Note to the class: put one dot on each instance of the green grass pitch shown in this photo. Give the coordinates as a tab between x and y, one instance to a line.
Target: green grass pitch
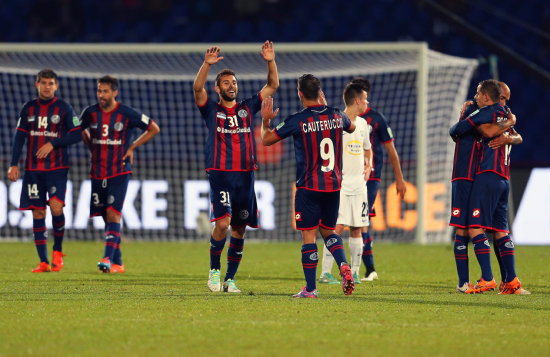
162	307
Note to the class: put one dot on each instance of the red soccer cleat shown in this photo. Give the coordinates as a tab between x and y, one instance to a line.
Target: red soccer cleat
43	267
57	260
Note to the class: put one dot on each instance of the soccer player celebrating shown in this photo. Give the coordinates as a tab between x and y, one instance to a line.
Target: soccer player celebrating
49	125
464	169
317	132
380	135
107	131
356	167
488	202
231	160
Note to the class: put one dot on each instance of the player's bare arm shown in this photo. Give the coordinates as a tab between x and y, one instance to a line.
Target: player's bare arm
506	139
86	139
268	135
368	164
268	54
142	139
212	56
13	173
493	130
400	186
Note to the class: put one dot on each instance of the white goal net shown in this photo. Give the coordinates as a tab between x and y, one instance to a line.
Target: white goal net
418	90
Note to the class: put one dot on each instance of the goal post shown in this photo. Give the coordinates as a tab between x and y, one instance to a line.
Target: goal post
419	91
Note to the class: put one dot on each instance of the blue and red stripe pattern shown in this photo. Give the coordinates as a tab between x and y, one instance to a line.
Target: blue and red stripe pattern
494	160
231	145
44	121
380	134
317	133
466	151
111	133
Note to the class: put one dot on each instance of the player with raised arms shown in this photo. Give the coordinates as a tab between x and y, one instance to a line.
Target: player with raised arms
231	160
108	128
48	125
317	132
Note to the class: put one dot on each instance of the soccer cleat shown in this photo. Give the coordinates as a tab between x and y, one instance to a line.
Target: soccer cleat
229	286
464	288
43	267
214	280
307	294
356	279
483	285
57	260
370	277
117	268
104	265
328	278
501	286
514	288
347	279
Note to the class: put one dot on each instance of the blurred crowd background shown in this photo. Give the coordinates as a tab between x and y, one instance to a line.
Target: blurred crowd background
518	30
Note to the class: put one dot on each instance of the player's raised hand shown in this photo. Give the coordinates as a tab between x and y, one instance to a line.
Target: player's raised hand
212	55
267	51
267	109
44	151
464	106
511	117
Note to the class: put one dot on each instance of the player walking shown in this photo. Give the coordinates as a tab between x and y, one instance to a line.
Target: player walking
356	169
48	125
381	135
231	160
317	132
107	131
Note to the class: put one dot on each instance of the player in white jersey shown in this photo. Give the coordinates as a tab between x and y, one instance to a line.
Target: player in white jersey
357	165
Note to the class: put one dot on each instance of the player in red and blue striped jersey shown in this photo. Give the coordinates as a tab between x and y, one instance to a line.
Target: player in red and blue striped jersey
230	152
317	133
48	125
108	132
488	200
381	135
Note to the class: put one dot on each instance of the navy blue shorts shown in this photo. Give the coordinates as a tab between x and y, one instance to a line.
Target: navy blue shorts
36	184
232	194
372	191
108	194
461	190
488	206
315	208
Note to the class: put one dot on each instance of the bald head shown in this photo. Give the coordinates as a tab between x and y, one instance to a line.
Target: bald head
505	95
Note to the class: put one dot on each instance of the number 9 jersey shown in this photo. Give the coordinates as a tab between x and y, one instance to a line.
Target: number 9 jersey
317	133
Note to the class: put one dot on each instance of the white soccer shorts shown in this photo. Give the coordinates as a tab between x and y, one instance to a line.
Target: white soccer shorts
354	209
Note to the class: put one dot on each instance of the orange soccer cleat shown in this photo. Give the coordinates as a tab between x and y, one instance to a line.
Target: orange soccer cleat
514	288
116	268
486	285
57	260
43	267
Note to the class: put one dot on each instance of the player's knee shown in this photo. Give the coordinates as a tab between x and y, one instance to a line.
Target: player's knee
39	213
222	225
113	216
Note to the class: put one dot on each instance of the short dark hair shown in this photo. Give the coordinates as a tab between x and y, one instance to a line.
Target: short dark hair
365	83
46	73
310	86
492	88
352	91
112	81
224	72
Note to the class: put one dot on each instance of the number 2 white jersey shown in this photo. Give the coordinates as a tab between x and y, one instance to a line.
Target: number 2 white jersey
353	157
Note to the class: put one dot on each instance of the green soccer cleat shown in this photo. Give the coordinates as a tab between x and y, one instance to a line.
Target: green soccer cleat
356	278
104	265
229	286
328	278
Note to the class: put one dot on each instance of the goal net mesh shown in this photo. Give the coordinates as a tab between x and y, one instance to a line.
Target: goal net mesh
167	197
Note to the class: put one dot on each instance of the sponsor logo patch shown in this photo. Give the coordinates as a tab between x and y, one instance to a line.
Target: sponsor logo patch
76	121
461	247
244	214
145	119
298	216
243	113
119	126
314	256
331	241
476	212
456	212
56	119
509	245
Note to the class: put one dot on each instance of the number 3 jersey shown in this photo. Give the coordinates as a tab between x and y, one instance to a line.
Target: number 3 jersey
111	134
317	133
230	145
46	121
